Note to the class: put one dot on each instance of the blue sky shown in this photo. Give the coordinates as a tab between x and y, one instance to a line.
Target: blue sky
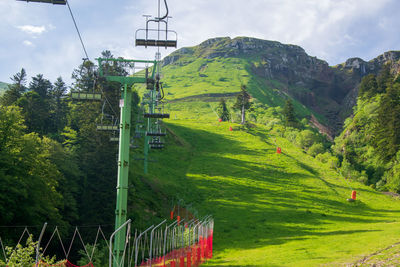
42	38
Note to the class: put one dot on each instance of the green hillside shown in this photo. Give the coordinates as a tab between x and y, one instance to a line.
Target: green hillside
3	87
270	209
205	71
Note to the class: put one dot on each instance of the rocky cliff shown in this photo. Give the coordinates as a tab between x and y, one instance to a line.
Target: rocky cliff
328	90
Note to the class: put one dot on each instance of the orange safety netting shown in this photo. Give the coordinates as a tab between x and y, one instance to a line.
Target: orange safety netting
185	257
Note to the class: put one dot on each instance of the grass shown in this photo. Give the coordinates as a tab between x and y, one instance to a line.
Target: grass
191	76
270	209
203	76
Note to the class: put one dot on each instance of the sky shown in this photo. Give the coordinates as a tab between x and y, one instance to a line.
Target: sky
42	39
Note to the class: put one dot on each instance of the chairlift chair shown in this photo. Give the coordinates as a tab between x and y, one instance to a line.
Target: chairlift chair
107	127
156	115
160	146
158	36
54	2
85	96
156	143
155	134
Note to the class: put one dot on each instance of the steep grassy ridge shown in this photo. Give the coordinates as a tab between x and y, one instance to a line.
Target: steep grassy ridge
270	209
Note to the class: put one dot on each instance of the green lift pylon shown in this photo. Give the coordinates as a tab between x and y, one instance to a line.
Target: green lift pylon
127	83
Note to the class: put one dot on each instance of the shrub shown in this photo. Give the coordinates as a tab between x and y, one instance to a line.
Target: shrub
305	139
315	149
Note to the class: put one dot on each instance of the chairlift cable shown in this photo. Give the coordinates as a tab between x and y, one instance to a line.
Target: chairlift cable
77	30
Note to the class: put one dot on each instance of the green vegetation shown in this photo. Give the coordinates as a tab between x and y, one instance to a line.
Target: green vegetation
370	142
222	110
270	209
243	103
3	87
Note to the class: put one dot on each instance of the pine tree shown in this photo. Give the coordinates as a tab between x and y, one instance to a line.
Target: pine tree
41	86
243	103
384	79
58	106
222	110
15	90
368	86
289	115
387	131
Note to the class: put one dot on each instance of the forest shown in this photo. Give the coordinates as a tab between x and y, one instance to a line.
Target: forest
55	166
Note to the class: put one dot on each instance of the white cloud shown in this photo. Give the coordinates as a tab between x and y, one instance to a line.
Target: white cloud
27	43
333	30
33	30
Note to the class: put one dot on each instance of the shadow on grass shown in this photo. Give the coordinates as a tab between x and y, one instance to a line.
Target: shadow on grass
256	203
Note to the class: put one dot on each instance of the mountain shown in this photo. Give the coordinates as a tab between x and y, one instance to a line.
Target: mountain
273	72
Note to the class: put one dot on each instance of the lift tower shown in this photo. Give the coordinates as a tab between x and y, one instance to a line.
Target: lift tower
134	75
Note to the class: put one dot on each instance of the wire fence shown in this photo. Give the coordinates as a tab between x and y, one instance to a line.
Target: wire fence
180	242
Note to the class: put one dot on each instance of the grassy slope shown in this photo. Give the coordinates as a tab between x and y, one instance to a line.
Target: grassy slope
269	209
192	76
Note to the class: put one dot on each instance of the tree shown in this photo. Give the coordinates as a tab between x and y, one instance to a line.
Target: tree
222	110
387	131
289	115
368	86
58	106
29	180
41	86
15	90
36	112
384	79
243	103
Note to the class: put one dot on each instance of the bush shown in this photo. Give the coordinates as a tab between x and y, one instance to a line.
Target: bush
315	149
291	134
305	139
329	159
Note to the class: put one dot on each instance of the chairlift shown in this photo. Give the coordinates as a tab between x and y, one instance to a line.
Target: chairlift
156	115
107	127
159	35
156	143
114	139
155	134
85	96
157	146
54	2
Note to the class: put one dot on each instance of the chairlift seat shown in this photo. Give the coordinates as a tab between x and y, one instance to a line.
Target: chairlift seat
107	127
114	139
85	96
157	43
156	146
156	115
156	143
155	134
54	2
